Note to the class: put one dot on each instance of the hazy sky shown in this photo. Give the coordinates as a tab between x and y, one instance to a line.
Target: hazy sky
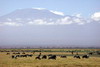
69	7
70	31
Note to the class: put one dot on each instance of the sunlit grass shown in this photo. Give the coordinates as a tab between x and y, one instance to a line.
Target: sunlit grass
7	61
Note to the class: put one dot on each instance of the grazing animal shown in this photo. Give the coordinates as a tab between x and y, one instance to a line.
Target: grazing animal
85	56
23	53
72	52
52	57
33	52
38	57
8	54
44	57
29	55
63	56
77	56
16	53
91	53
98	52
14	57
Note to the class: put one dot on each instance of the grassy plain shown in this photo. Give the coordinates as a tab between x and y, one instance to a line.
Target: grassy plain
7	61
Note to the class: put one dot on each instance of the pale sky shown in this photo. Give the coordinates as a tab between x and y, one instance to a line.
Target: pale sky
69	7
83	30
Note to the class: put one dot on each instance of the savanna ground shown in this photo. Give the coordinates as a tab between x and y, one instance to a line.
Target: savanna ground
7	61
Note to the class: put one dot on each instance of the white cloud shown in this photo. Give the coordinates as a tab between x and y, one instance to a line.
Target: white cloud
40	22
96	16
62	21
37	21
39	8
57	12
70	20
66	20
79	20
12	24
78	15
76	19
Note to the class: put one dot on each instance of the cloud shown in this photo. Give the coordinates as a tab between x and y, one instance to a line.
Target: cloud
39	8
79	21
71	20
65	20
62	21
12	24
57	12
78	15
96	16
40	22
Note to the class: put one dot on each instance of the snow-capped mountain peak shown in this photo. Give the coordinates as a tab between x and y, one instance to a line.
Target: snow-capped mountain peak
42	16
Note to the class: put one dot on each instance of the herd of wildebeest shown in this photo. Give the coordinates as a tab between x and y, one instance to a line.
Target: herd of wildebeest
16	55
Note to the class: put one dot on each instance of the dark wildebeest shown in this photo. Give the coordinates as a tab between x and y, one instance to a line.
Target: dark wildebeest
49	55
63	56
72	52
90	53
98	52
44	57
16	53
23	53
14	57
52	57
29	55
77	56
85	56
8	54
38	57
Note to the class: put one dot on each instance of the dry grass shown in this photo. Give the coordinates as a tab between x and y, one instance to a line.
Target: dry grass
7	61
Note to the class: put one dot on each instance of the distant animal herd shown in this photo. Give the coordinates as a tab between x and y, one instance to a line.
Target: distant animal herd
16	55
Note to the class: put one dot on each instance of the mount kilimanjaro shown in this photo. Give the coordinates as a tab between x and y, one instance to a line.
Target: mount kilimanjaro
41	27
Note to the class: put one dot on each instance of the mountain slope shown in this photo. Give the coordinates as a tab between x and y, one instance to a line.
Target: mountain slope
30	14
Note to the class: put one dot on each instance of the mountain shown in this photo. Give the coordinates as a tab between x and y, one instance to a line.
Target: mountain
33	16
41	27
30	14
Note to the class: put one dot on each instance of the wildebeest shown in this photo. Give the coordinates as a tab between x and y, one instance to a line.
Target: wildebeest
38	57
29	55
77	56
8	54
72	52
85	56
23	53
52	57
90	53
44	57
16	53
63	56
14	57
98	52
